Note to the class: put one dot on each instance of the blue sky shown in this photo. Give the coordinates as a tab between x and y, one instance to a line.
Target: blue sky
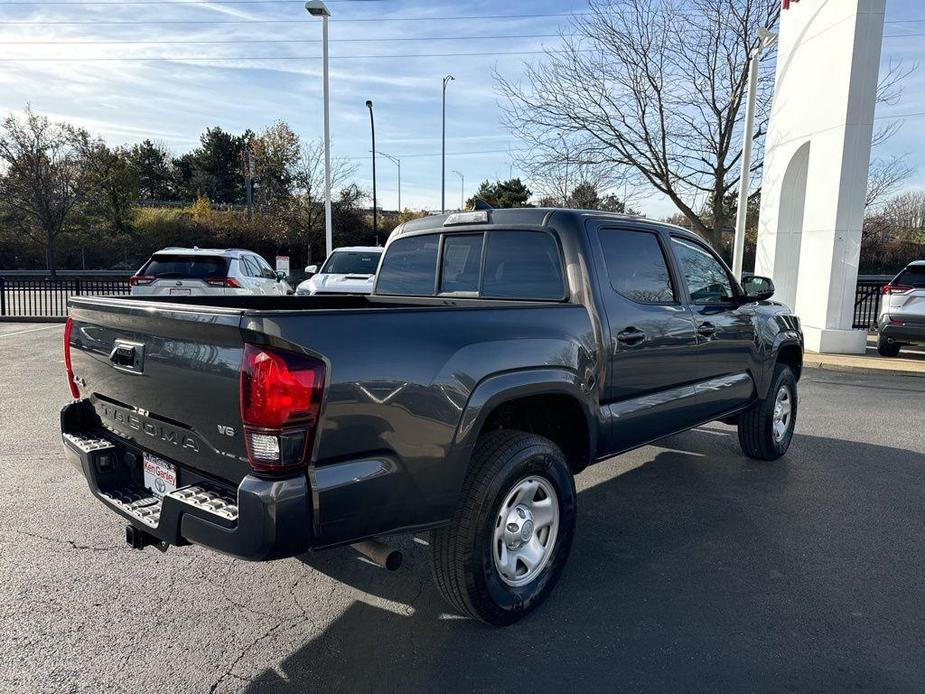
173	101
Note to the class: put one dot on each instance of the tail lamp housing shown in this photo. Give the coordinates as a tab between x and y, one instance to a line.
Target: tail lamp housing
895	289
140	280
72	384
222	282
281	395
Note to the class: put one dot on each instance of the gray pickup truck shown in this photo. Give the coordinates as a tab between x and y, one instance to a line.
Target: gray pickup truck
500	354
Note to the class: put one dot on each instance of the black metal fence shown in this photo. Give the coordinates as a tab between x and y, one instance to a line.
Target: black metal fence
867	300
37	296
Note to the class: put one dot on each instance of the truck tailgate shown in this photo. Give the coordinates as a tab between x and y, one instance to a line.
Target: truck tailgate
166	377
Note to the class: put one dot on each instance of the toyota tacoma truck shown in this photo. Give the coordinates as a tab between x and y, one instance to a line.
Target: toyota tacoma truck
501	352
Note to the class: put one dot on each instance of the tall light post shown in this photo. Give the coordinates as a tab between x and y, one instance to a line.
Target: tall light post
397	162
316	8
372	128
765	39
446	80
462	189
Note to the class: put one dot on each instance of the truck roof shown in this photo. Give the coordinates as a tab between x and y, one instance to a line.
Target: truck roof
532	216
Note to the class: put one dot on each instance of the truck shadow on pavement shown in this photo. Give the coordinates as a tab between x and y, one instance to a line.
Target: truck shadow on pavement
700	570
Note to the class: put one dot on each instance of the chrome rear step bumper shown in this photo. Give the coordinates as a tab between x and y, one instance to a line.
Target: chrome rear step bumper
263	519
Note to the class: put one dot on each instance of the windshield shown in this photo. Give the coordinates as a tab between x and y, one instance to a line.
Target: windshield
196	266
351	263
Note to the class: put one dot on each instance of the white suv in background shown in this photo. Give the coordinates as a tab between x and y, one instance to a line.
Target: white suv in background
204	271
348	270
902	311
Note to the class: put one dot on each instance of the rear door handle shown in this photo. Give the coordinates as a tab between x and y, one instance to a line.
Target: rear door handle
706	330
631	337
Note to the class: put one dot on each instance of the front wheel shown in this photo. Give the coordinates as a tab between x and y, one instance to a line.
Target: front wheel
766	428
509	539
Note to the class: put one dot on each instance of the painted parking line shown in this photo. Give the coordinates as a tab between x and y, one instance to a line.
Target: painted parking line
31	330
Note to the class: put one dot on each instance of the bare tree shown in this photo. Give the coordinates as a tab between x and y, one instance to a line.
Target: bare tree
887	174
656	86
304	211
41	177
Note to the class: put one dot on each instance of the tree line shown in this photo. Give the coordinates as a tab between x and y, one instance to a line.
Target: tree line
58	182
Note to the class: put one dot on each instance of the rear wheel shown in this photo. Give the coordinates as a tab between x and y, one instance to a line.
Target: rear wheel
509	539
887	348
766	428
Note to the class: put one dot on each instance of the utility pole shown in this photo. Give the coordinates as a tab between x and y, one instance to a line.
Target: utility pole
765	39
397	162
446	79
249	181
316	8
462	189
372	127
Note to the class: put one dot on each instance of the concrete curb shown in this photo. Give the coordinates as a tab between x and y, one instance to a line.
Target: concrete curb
823	365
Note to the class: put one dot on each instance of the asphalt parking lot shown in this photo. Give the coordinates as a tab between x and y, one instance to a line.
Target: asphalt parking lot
694	569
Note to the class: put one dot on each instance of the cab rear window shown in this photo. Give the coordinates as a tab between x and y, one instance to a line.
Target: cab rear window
198	266
493	265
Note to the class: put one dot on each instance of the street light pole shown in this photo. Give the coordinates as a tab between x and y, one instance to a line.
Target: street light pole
765	39
372	128
316	8
462	189
446	79
397	162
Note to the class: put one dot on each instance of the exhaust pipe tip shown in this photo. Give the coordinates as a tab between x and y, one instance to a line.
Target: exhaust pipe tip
380	554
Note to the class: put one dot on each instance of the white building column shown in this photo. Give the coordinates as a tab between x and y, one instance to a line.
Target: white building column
817	153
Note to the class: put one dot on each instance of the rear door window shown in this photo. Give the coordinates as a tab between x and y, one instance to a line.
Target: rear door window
522	265
636	266
462	264
185	266
410	267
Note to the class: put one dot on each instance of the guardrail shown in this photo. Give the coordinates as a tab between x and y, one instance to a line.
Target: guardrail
43	297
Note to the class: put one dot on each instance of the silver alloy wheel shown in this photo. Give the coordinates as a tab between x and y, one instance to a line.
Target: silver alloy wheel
783	413
525	532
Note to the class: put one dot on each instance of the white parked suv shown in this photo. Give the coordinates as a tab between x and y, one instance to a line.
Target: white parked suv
199	271
902	311
348	270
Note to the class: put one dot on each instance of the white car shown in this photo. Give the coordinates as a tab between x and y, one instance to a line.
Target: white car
348	270
902	311
207	271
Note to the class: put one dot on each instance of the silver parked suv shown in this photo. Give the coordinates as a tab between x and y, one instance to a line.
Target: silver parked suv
207	271
902	311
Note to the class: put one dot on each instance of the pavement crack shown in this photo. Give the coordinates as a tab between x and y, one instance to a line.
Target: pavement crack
73	544
229	671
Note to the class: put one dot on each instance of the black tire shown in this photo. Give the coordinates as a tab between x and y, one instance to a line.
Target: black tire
887	349
756	424
463	564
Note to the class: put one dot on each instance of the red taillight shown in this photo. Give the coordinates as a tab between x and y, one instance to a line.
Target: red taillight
280	401
222	282
72	384
895	289
140	280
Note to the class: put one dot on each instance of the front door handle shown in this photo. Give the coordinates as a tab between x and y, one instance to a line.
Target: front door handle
706	330
631	337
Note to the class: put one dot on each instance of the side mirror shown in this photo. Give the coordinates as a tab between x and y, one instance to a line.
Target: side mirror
311	270
280	275
757	288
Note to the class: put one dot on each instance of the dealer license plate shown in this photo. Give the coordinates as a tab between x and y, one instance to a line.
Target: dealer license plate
160	476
